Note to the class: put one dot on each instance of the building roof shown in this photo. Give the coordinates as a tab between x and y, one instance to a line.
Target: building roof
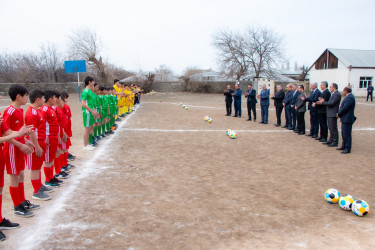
355	58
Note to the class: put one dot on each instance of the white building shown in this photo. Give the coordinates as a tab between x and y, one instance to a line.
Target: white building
345	66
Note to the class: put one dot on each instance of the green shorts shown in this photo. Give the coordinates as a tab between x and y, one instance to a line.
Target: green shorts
88	119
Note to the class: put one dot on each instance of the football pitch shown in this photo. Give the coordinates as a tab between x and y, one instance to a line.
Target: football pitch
167	179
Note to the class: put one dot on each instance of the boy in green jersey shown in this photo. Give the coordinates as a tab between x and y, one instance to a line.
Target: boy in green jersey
88	111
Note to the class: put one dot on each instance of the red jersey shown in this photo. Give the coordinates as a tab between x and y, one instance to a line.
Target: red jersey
63	121
3	128
35	117
68	115
13	118
52	123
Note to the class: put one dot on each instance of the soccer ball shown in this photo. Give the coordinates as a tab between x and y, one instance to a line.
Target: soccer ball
233	135
332	195
206	118
209	120
228	132
346	202
185	107
360	208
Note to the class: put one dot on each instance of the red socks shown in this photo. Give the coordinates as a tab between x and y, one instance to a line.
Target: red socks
37	184
48	173
1	204
14	193
57	164
21	189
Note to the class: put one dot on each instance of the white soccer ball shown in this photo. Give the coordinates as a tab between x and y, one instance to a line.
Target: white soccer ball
332	195
233	135
346	202
360	208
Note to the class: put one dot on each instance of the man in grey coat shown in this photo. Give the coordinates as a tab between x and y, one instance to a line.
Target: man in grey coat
301	110
332	105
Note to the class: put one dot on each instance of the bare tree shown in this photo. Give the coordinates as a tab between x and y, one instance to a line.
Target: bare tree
232	54
163	73
51	61
256	51
85	45
304	72
189	71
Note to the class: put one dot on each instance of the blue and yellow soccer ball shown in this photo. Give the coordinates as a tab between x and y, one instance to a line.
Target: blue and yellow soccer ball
209	120
346	202
360	208
228	132
332	195
233	135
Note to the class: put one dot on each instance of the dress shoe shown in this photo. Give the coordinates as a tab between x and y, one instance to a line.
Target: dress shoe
248	120
314	136
290	128
340	148
346	151
309	135
327	142
284	126
235	116
301	133
261	122
277	125
332	145
318	139
297	131
227	115
265	122
323	140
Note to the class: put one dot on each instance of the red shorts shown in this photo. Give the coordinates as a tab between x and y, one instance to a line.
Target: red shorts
51	148
34	162
2	168
14	159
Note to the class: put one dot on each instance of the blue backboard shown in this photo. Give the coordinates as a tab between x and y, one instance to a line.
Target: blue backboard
75	66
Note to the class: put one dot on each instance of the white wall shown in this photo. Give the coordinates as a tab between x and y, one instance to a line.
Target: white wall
354	76
339	76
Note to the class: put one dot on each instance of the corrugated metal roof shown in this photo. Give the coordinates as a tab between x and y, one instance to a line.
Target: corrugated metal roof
355	58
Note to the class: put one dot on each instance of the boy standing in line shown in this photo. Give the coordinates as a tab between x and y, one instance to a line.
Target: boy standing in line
15	154
89	112
34	161
6	135
52	137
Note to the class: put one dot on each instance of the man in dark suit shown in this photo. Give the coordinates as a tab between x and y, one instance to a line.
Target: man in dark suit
301	109
322	112
278	102
370	91
288	109
346	115
332	105
237	93
264	103
314	122
228	100
293	102
251	95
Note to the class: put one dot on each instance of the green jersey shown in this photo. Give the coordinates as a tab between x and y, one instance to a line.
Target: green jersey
89	97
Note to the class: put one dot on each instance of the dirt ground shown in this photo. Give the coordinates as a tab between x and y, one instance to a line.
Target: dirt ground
169	180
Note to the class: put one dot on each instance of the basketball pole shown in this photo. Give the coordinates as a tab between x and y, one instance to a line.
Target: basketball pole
79	88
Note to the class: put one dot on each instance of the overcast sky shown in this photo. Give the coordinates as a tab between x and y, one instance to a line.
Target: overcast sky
141	34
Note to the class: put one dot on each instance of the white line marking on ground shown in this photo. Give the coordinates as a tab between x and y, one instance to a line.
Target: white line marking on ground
44	228
194	106
224	130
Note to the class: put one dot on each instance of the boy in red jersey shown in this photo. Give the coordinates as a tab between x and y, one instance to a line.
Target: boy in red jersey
6	135
63	122
15	153
35	160
52	137
68	130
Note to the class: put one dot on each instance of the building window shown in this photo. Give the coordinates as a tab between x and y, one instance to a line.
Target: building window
364	82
